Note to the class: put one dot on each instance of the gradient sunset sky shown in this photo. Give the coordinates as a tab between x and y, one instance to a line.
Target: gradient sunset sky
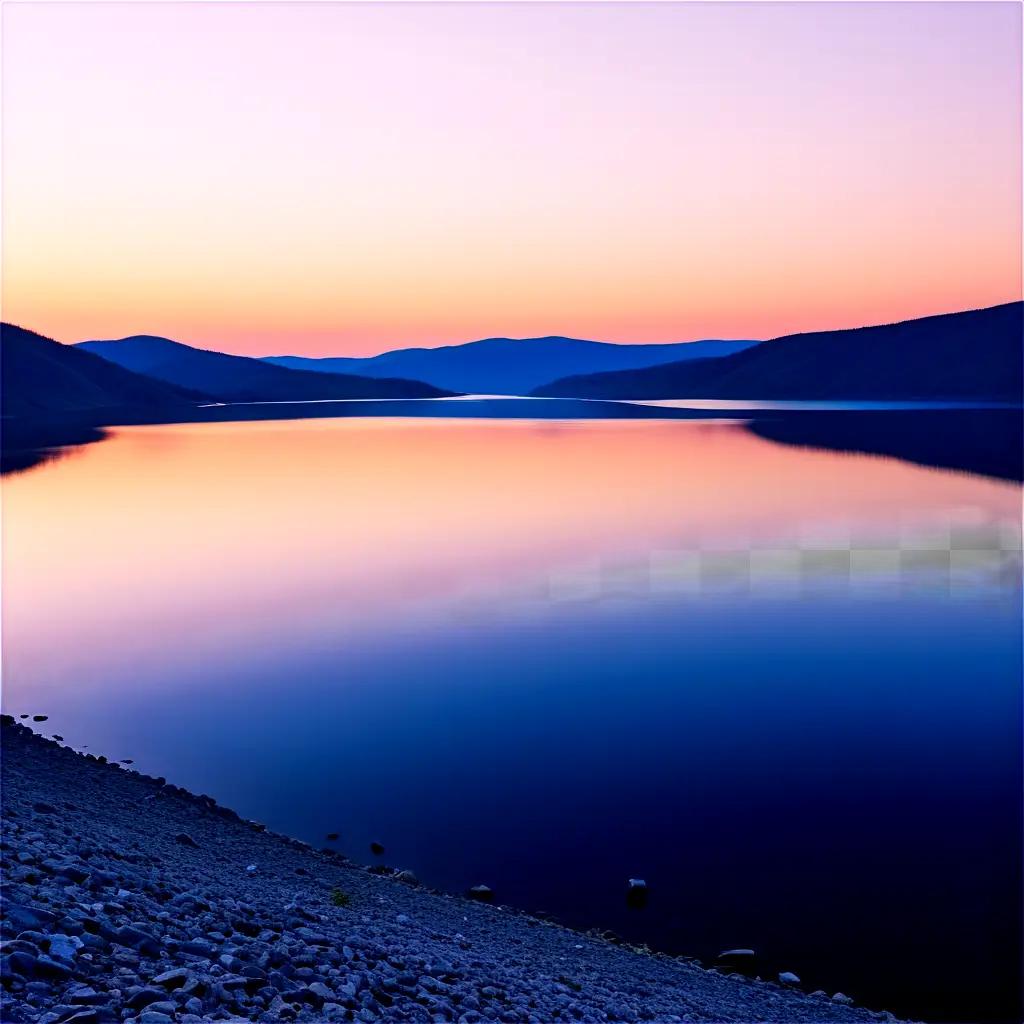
347	178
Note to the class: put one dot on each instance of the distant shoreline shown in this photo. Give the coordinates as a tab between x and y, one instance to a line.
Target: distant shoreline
982	438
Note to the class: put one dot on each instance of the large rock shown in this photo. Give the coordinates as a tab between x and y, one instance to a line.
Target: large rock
137	939
65	947
22	963
87	996
27	918
47	967
740	961
145	996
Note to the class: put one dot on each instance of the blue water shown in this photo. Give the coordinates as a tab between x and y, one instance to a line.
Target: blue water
842	795
828	773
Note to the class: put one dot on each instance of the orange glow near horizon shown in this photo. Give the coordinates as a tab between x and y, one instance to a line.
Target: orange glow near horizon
348	178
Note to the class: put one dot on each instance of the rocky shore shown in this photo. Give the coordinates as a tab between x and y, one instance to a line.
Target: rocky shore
129	899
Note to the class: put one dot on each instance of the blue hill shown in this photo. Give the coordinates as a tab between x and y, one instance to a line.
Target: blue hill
510	366
230	378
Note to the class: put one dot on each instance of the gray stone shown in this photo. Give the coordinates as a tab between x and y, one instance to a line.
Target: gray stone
47	967
65	947
22	963
143	997
136	938
24	918
73	871
87	996
172	979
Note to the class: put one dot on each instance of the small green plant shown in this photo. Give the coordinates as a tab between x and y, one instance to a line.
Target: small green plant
339	898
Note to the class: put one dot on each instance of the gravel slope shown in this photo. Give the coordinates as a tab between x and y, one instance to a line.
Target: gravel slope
129	899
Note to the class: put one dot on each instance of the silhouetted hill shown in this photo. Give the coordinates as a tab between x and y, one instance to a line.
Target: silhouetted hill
40	377
241	379
969	355
509	366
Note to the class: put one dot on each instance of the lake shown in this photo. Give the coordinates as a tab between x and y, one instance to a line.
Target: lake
779	683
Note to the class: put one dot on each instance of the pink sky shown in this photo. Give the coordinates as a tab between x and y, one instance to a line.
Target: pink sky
347	178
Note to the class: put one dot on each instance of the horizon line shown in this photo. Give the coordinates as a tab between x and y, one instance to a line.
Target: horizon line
539	337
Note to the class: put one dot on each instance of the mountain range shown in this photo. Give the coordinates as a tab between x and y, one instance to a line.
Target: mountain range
973	355
230	378
52	393
511	366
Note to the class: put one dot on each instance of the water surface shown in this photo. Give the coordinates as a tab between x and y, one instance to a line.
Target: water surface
780	684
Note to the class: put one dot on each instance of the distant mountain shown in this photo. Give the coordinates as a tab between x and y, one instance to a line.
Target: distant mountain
231	378
970	355
40	377
510	366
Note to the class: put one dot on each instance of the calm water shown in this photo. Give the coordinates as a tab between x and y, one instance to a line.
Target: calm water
780	684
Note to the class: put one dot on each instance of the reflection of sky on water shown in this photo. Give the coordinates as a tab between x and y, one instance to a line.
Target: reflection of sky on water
780	684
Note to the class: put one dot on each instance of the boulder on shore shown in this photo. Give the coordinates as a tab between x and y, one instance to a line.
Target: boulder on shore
481	893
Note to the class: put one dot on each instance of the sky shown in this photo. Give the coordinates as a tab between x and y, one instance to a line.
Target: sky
327	178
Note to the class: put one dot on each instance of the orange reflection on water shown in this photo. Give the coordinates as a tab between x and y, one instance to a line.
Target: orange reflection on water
193	538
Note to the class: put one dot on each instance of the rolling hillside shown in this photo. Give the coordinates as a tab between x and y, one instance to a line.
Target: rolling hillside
41	377
230	378
971	355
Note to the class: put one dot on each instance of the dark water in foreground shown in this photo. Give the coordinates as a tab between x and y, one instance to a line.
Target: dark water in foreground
780	684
